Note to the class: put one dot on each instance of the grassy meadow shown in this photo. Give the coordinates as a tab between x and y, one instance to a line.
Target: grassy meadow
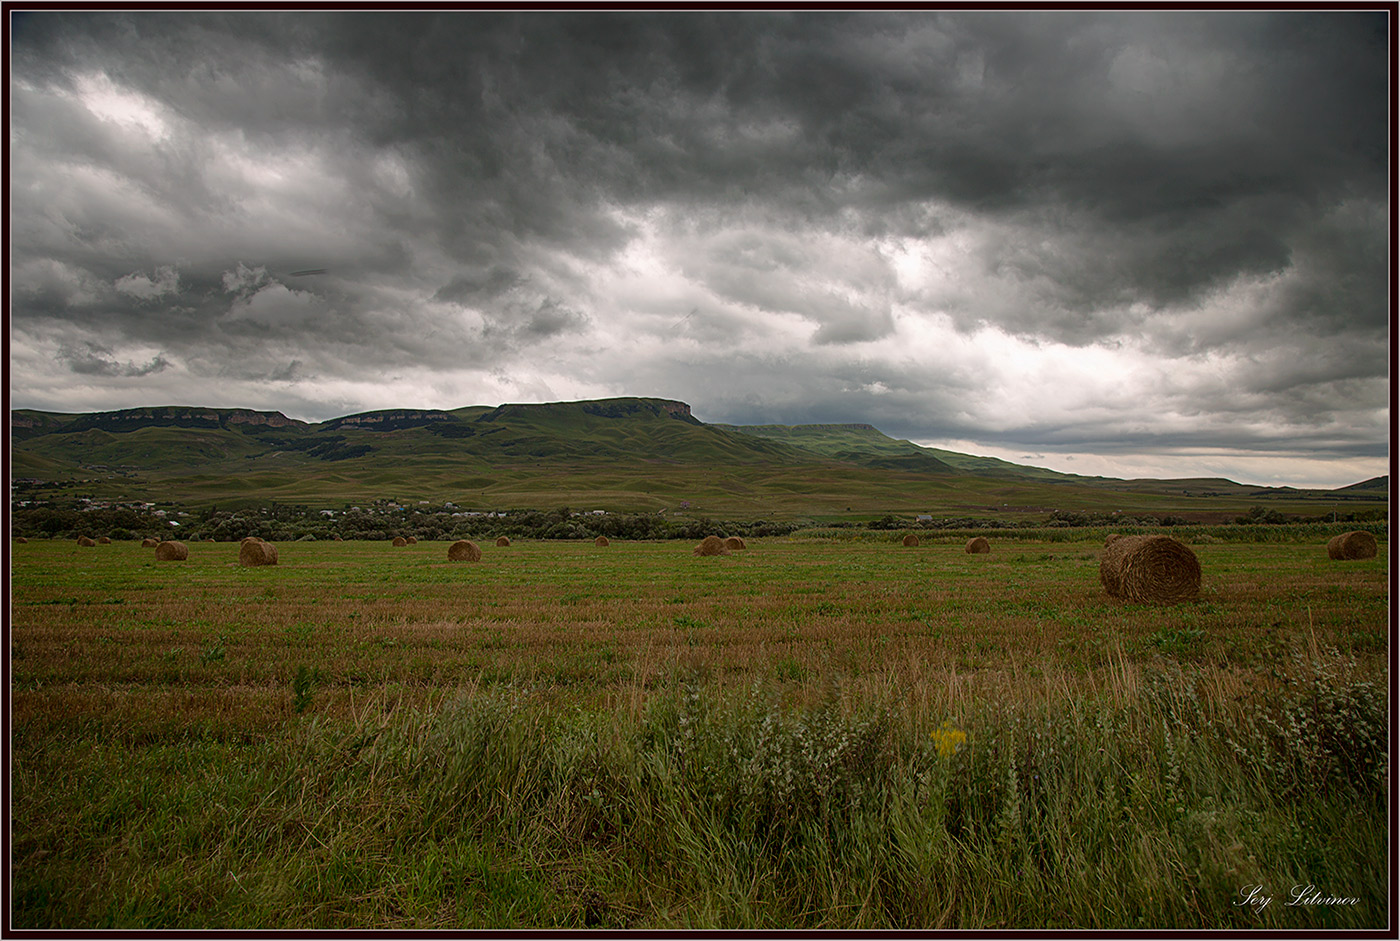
820	731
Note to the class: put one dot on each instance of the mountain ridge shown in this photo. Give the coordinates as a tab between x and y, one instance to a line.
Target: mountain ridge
635	448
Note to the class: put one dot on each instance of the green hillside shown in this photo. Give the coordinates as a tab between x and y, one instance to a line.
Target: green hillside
621	454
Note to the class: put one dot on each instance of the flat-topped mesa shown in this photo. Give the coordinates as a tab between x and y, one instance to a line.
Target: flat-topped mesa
844	426
392	419
246	416
181	416
625	407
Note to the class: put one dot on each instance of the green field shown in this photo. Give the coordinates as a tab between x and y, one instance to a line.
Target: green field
814	732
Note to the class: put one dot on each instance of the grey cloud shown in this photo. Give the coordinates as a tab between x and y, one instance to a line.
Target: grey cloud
95	360
139	284
486	285
533	120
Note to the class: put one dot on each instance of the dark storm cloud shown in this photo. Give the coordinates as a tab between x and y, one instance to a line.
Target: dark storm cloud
328	194
94	360
1201	145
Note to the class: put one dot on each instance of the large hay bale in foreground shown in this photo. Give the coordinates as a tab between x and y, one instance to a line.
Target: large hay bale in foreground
1353	545
85	541
735	542
502	541
149	542
978	544
171	551
1150	569
911	540
400	541
601	541
464	550
711	545
257	552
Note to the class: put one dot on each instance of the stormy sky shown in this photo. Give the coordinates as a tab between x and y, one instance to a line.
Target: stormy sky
1149	243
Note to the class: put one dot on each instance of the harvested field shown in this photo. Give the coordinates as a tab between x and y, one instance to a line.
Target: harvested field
372	740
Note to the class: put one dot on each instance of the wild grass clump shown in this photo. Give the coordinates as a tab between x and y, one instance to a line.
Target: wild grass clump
855	814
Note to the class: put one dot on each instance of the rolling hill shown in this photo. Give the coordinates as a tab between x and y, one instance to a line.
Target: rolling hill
626	454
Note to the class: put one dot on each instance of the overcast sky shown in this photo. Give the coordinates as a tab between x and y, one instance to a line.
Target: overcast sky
1133	244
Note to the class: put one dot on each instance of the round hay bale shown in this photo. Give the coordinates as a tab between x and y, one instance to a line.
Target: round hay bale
502	541
1150	569
464	550
1111	538
149	542
711	545
911	540
978	544
412	540
248	539
400	541
601	541
104	540
85	541
338	539
735	542
171	551
257	552
1353	545
21	539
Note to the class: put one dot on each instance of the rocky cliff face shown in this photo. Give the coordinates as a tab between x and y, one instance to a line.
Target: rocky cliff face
243	416
178	416
391	419
676	409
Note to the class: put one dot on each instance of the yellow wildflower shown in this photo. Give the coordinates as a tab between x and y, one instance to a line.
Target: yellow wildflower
948	739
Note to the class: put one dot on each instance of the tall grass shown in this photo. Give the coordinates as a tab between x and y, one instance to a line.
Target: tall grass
829	805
